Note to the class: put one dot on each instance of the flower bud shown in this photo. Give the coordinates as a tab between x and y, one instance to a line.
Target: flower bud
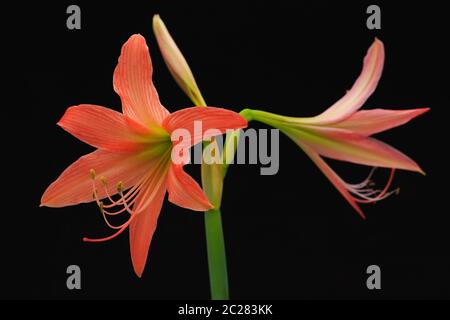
176	62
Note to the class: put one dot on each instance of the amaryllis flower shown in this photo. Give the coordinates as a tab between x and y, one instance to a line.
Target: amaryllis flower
132	168
343	132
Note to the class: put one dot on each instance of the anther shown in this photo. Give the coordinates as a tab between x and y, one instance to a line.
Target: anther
120	187
103	180
92	174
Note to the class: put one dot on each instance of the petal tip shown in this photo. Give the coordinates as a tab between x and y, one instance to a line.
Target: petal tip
377	42
137	36
425	110
419	111
44	201
208	206
63	119
138	269
416	168
358	210
362	215
156	19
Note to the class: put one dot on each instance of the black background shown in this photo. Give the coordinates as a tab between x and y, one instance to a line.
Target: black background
288	236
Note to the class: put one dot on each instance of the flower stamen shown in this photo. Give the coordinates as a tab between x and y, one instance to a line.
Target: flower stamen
126	200
124	226
363	192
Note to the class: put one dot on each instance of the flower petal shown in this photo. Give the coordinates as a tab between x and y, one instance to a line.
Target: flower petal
332	176
345	145
185	191
362	89
368	122
199	121
148	207
74	185
133	83
102	128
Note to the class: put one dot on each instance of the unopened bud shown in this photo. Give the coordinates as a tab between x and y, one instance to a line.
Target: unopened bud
176	62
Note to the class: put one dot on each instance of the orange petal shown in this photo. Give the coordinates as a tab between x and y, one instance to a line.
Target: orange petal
368	122
345	145
74	185
185	191
209	118
332	176
147	207
362	89
102	128
133	83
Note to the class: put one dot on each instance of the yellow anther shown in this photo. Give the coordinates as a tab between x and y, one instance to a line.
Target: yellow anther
397	192
100	205
103	180
120	186
92	174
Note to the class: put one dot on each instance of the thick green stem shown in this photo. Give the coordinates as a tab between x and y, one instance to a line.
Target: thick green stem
212	181
217	261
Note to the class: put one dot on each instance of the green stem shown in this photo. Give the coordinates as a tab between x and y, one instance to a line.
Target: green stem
212	181
217	261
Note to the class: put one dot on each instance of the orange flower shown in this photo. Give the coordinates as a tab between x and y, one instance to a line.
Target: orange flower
133	161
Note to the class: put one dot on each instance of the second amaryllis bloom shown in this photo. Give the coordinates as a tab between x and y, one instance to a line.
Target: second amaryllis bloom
134	157
342	132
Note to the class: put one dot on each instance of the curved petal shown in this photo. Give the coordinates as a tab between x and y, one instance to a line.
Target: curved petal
185	191
362	89
368	122
204	123
74	185
345	145
133	83
102	128
332	176
147	207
